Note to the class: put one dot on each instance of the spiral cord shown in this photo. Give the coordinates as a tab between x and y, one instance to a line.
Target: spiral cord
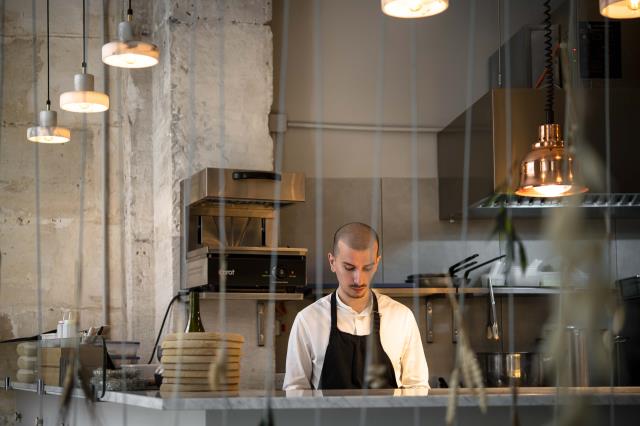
548	47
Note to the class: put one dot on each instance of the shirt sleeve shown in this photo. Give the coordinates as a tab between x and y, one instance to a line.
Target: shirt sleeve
298	367
415	372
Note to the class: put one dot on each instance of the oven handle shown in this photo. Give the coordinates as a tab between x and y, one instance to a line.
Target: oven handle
242	175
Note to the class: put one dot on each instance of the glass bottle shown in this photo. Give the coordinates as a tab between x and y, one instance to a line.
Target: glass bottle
195	323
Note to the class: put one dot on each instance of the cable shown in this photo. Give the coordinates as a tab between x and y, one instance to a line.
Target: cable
84	40
166	314
48	61
548	62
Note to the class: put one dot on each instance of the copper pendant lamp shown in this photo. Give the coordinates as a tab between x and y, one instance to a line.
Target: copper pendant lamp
549	169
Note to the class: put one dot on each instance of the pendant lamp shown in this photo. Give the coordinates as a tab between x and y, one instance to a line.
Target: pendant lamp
413	8
548	170
620	9
84	98
47	130
129	53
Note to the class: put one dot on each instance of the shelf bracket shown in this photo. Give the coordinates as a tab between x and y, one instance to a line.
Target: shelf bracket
429	321
261	310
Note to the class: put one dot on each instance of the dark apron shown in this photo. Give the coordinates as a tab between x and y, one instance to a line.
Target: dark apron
345	358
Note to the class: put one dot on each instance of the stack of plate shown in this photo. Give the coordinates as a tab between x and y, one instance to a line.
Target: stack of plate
197	363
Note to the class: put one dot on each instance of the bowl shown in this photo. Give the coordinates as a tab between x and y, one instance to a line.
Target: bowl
122	348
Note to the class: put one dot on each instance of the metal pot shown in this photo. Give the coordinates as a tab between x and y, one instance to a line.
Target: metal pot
499	368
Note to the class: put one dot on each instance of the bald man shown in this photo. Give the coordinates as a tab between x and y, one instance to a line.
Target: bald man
355	338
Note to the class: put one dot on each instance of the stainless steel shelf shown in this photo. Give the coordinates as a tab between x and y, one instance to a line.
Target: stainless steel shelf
250	296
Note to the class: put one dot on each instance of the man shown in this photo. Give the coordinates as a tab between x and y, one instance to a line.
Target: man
333	339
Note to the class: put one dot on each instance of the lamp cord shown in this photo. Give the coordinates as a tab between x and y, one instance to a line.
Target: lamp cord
84	41
548	46
48	66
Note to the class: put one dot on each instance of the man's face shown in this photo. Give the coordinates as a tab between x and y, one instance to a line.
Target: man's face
354	268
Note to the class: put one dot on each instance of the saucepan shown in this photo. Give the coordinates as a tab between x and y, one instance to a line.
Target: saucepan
500	368
442	280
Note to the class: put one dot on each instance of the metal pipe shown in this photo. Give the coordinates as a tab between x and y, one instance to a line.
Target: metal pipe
361	127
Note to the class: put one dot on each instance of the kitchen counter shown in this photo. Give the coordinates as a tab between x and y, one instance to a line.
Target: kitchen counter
246	407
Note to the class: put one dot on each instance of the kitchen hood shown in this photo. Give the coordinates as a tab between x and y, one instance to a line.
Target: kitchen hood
503	127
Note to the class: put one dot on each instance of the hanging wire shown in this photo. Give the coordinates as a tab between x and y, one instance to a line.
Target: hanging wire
607	176
499	43
48	62
415	227
318	95
36	151
548	62
84	39
104	187
278	163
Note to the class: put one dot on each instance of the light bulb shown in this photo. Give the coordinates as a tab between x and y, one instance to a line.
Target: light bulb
47	130
551	190
633	4
84	99
413	8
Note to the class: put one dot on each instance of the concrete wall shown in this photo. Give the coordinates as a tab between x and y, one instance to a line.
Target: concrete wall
205	104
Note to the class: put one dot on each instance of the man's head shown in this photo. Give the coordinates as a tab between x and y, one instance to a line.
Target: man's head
355	258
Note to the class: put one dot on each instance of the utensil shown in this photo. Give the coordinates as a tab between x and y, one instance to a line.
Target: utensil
500	368
494	325
456	267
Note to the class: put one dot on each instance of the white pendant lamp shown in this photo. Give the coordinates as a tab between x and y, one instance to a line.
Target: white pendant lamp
84	98
47	130
620	9
549	169
129	53
413	8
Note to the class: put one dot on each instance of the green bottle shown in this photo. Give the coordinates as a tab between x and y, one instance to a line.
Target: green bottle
195	323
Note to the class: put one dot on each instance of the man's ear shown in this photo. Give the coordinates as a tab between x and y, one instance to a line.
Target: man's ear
332	262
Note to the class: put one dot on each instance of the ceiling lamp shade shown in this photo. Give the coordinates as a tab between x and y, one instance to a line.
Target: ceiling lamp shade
620	9
84	98
548	170
413	8
47	130
128	53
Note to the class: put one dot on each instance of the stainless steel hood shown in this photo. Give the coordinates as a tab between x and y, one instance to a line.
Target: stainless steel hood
505	121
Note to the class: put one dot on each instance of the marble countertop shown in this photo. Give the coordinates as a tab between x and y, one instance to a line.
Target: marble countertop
383	398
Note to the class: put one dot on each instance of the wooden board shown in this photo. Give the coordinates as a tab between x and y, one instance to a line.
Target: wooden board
196	359
169	387
203	351
208	394
186	367
197	373
232	337
27	349
198	381
200	344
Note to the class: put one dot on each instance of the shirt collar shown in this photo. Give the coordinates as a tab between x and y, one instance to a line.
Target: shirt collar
365	311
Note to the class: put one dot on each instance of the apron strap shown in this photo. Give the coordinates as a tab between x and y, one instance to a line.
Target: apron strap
334	313
376	315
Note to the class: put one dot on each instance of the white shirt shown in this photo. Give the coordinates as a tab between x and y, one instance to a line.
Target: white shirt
399	336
